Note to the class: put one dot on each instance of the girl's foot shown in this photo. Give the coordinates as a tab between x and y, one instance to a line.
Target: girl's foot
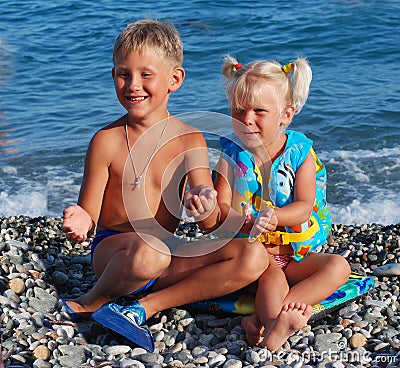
253	329
292	318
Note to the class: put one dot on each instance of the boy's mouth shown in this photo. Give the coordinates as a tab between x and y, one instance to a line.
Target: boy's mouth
136	99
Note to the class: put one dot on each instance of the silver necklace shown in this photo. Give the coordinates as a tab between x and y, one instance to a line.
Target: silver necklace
138	178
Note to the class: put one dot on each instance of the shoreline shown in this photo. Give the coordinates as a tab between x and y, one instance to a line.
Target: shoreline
39	266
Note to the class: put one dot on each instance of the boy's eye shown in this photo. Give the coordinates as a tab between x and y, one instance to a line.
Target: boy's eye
238	110
146	74
123	75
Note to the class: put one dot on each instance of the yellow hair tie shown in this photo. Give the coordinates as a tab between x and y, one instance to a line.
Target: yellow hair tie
288	68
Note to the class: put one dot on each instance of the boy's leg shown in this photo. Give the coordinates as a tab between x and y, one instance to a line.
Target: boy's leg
190	279
123	263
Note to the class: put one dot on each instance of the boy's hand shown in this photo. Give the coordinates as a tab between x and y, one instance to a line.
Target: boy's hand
200	202
76	224
266	222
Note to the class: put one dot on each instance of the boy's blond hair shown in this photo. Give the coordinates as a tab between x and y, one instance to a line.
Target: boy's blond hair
161	37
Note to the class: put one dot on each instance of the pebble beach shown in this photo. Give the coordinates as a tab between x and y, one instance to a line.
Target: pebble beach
39	266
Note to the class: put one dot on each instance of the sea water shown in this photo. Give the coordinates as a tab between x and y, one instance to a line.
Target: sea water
57	90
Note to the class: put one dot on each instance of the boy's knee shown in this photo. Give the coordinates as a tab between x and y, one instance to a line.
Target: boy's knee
253	260
149	262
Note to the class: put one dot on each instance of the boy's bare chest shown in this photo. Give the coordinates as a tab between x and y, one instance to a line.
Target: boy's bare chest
145	187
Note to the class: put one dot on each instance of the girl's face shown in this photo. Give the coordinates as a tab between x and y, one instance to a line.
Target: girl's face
262	122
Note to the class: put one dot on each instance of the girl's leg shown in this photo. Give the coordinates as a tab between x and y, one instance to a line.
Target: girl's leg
312	280
272	289
191	279
316	277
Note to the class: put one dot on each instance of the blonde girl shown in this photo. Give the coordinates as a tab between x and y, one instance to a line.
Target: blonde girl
268	171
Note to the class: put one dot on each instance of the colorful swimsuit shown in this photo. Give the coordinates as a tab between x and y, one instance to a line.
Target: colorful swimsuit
248	186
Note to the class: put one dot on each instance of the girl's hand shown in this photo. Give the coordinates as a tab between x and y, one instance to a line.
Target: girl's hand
249	219
266	222
76	224
200	202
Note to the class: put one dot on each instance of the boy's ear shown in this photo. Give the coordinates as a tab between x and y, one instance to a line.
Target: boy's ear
287	115
178	75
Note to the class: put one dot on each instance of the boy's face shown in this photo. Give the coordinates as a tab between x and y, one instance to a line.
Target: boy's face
262	121
143	83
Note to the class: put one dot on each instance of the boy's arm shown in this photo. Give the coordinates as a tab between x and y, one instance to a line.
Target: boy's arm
304	196
198	171
82	219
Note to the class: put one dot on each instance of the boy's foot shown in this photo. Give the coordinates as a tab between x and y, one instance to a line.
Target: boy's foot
74	316
126	320
253	329
292	318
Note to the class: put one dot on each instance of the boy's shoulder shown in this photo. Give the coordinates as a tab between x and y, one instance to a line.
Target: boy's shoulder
112	128
183	131
109	135
181	126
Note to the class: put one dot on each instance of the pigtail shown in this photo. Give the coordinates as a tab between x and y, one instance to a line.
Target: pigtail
301	80
230	66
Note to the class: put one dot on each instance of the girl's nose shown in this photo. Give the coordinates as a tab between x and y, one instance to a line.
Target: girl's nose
248	119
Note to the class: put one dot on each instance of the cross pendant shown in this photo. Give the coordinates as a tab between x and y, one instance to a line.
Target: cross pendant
138	181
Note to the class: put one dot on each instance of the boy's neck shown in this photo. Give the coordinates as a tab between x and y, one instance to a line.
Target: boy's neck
145	123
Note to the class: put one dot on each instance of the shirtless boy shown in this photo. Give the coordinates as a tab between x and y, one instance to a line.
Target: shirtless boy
132	197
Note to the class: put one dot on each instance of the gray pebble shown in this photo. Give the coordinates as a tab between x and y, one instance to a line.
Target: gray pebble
389	269
233	363
217	360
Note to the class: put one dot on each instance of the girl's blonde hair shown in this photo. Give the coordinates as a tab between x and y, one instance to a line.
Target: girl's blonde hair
293	80
161	37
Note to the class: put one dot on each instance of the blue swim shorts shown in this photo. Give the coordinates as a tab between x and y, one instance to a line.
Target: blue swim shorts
101	235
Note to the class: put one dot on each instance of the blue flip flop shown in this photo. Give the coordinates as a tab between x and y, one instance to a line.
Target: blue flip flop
75	317
126	320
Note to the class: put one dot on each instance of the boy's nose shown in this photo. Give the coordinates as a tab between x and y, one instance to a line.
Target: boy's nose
134	84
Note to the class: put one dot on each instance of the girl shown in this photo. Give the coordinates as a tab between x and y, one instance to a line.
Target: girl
267	171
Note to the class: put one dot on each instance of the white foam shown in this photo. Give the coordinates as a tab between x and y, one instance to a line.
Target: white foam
363	185
11	170
384	212
29	203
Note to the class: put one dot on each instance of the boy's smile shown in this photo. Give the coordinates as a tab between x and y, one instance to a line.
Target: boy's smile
142	84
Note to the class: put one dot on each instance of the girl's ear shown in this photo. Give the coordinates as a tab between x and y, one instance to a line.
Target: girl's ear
178	75
287	115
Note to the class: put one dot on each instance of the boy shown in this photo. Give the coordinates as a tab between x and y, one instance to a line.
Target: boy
135	172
